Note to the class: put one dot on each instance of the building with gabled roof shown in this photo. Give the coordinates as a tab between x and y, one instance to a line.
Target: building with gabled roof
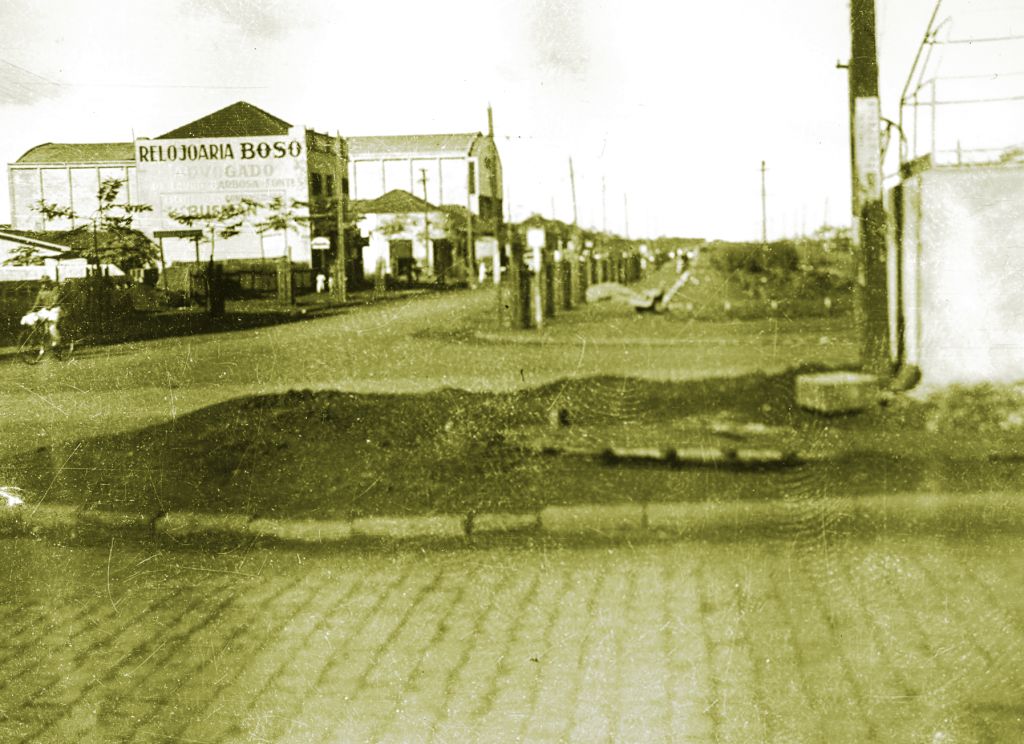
58	254
393	202
239	152
394	229
445	169
240	119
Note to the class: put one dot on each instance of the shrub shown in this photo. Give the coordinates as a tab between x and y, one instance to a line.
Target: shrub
754	258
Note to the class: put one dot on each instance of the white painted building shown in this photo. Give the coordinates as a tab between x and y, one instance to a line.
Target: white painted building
68	175
55	260
239	152
461	170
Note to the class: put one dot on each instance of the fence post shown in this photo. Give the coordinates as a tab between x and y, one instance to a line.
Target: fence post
548	268
583	276
569	276
215	293
379	279
285	288
514	293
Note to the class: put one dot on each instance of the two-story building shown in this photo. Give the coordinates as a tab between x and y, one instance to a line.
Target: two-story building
191	176
456	170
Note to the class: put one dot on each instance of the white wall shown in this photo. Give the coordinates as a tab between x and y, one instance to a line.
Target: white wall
963	274
259	168
372	226
67	185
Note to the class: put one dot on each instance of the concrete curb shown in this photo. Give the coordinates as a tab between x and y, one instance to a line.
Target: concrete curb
791	518
742	458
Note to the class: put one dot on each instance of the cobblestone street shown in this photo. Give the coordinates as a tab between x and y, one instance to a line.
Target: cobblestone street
901	639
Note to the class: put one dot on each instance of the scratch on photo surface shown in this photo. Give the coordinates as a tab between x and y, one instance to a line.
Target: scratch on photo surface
151	655
54	479
575	372
43	398
222	571
110	556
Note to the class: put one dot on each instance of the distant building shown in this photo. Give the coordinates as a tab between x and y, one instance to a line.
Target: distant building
394	227
58	255
462	170
68	175
239	152
244	153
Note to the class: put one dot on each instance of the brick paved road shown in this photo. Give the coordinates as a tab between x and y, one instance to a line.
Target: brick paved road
902	639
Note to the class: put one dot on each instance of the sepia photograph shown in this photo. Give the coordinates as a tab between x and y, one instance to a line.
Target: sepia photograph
512	371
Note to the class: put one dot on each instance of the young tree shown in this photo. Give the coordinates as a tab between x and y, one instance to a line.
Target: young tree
284	217
221	221
112	239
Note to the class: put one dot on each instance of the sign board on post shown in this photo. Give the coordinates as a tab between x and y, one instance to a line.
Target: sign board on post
535	241
321	243
868	148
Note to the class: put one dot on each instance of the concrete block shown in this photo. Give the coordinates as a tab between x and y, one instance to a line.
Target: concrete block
837	392
301	530
437	525
592	518
496	523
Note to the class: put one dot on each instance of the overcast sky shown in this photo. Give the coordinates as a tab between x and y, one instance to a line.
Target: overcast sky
674	104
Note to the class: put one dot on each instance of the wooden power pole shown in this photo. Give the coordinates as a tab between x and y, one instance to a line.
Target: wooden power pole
764	208
868	212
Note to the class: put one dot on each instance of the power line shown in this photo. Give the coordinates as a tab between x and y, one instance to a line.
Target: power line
979	40
40	81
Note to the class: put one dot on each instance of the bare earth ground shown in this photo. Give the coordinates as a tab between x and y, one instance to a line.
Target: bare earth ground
417	406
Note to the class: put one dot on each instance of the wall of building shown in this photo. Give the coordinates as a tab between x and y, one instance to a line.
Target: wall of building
381	229
200	175
448	178
963	274
328	191
73	185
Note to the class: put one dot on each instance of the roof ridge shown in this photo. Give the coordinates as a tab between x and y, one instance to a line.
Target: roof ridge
221	121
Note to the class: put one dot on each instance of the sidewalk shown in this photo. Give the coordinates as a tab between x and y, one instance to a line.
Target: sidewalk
905	513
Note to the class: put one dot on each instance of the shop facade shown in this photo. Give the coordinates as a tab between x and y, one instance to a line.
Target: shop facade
257	187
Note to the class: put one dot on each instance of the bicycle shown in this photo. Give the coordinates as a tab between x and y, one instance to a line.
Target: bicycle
37	338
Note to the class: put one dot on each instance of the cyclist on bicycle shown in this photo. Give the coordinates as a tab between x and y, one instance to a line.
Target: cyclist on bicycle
46	309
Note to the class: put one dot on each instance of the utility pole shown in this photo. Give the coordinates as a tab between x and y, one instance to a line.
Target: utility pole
577	278
340	267
572	185
604	207
868	212
426	218
625	214
764	208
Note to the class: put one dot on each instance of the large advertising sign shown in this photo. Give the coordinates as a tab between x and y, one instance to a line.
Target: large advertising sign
200	177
